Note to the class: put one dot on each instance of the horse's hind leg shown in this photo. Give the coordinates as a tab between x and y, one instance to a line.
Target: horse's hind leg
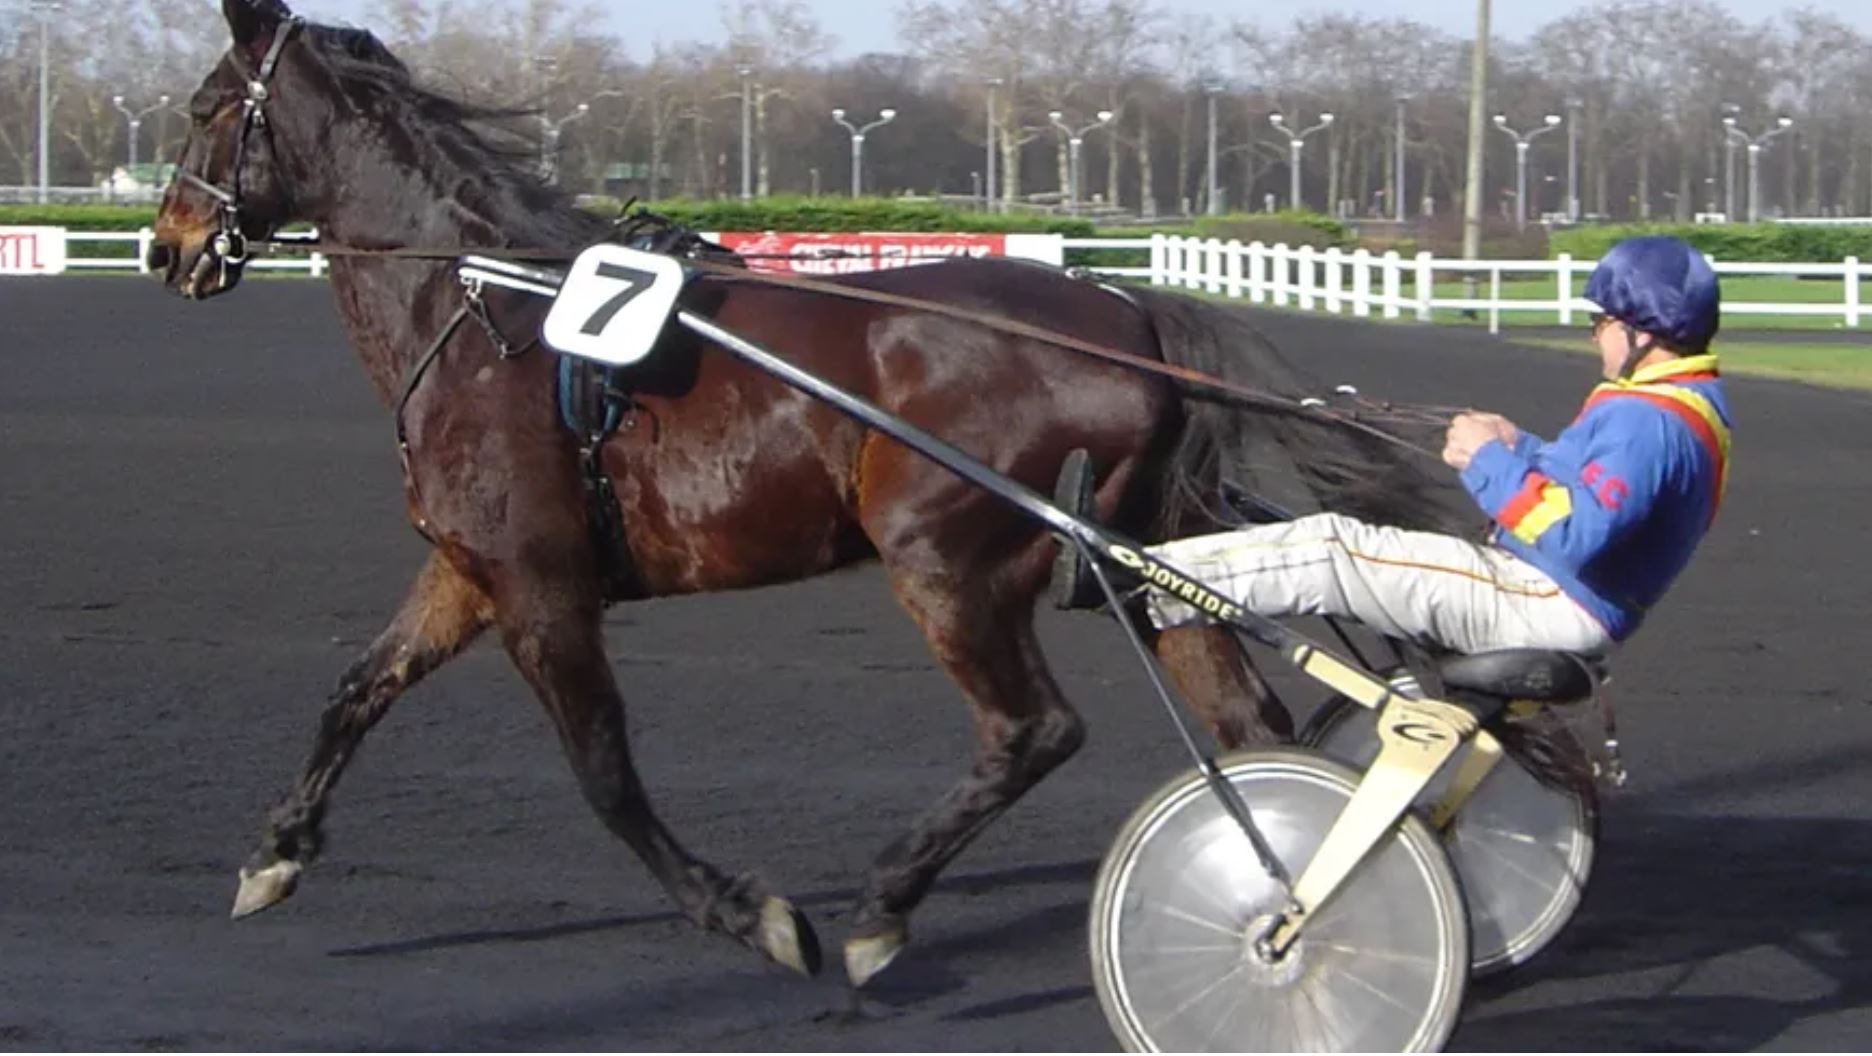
559	649
1223	687
980	627
442	613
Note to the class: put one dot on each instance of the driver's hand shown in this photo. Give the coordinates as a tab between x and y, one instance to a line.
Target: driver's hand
1469	430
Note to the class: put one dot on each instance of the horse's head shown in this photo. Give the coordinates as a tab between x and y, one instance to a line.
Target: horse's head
261	143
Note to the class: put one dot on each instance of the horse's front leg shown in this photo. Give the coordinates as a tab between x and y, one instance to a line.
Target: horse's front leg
443	612
551	631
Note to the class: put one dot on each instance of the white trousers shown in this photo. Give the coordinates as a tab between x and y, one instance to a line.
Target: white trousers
1431	589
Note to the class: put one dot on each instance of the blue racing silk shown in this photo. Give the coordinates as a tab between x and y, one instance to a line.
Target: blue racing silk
1615	505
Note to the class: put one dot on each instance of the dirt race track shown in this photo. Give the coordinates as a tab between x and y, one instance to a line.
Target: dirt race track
202	524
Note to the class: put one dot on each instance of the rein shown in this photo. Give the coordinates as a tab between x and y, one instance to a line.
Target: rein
1356	418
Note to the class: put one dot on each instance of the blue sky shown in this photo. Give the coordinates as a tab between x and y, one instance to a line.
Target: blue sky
871	25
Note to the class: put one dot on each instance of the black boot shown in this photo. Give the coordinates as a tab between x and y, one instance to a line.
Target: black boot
1074	586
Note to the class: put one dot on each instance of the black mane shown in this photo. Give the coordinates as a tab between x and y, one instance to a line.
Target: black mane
476	146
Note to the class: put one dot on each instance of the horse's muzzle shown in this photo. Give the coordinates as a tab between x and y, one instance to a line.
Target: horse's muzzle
197	271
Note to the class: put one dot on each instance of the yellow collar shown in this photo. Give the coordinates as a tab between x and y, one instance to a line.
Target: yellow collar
1670	368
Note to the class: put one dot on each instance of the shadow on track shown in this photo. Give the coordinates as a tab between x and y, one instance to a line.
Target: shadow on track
1676	903
1075	873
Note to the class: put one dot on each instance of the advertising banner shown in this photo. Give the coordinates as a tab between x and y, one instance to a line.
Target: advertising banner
842	252
32	250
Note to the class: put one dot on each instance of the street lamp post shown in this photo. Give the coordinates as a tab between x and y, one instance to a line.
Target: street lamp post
1521	143
1397	164
1215	187
135	120
747	168
45	9
1073	139
885	117
1295	141
549	144
1730	110
1573	105
988	163
1755	145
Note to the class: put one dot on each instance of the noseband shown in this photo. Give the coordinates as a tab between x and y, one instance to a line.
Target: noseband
230	246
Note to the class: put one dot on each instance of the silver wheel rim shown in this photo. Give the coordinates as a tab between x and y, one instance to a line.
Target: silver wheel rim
1381	968
1524	850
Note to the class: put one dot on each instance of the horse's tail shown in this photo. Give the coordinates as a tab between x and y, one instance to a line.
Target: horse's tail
1299	461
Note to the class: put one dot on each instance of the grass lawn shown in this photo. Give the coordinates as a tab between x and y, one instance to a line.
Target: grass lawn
1820	363
1736	288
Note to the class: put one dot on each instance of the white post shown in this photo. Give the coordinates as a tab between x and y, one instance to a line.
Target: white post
318	265
1307	286
144	237
1282	261
1335	280
1565	273
1212	266
1494	299
1852	291
1192	263
1158	263
1393	283
1361	283
1234	275
1257	272
1426	286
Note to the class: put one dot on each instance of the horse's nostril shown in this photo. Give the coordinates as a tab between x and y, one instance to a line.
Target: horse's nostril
159	256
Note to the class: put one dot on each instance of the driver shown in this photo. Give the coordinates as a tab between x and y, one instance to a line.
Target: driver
1590	528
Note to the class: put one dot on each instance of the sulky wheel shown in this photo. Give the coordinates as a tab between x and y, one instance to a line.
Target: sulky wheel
1523	848
1181	897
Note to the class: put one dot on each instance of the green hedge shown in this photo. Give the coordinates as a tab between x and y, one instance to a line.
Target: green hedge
800	213
80	217
1741	243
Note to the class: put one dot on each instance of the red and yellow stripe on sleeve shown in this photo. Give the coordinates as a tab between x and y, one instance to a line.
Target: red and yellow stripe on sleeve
1538	506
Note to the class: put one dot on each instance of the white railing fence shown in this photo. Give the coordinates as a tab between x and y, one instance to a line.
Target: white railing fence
138	242
1362	282
1358	282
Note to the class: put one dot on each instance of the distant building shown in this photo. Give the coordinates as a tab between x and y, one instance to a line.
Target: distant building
142	180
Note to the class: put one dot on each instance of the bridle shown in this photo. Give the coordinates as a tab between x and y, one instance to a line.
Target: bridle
229	244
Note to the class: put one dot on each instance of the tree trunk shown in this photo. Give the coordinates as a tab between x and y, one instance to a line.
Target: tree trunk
1849	184
1644	181
1332	173
763	177
1813	177
658	133
1684	203
699	179
1010	161
1112	153
1183	158
1600	169
1147	190
1788	188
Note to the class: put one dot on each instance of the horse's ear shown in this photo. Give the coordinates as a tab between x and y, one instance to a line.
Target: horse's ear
253	22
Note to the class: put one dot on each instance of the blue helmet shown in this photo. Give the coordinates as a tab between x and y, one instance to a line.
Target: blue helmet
1662	286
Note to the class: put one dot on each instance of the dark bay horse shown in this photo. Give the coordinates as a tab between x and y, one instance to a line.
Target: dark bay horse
723	478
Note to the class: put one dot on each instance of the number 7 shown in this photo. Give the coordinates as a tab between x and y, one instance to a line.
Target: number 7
635	283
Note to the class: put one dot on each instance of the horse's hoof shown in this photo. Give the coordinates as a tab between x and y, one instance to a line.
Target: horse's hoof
787	936
867	955
261	888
